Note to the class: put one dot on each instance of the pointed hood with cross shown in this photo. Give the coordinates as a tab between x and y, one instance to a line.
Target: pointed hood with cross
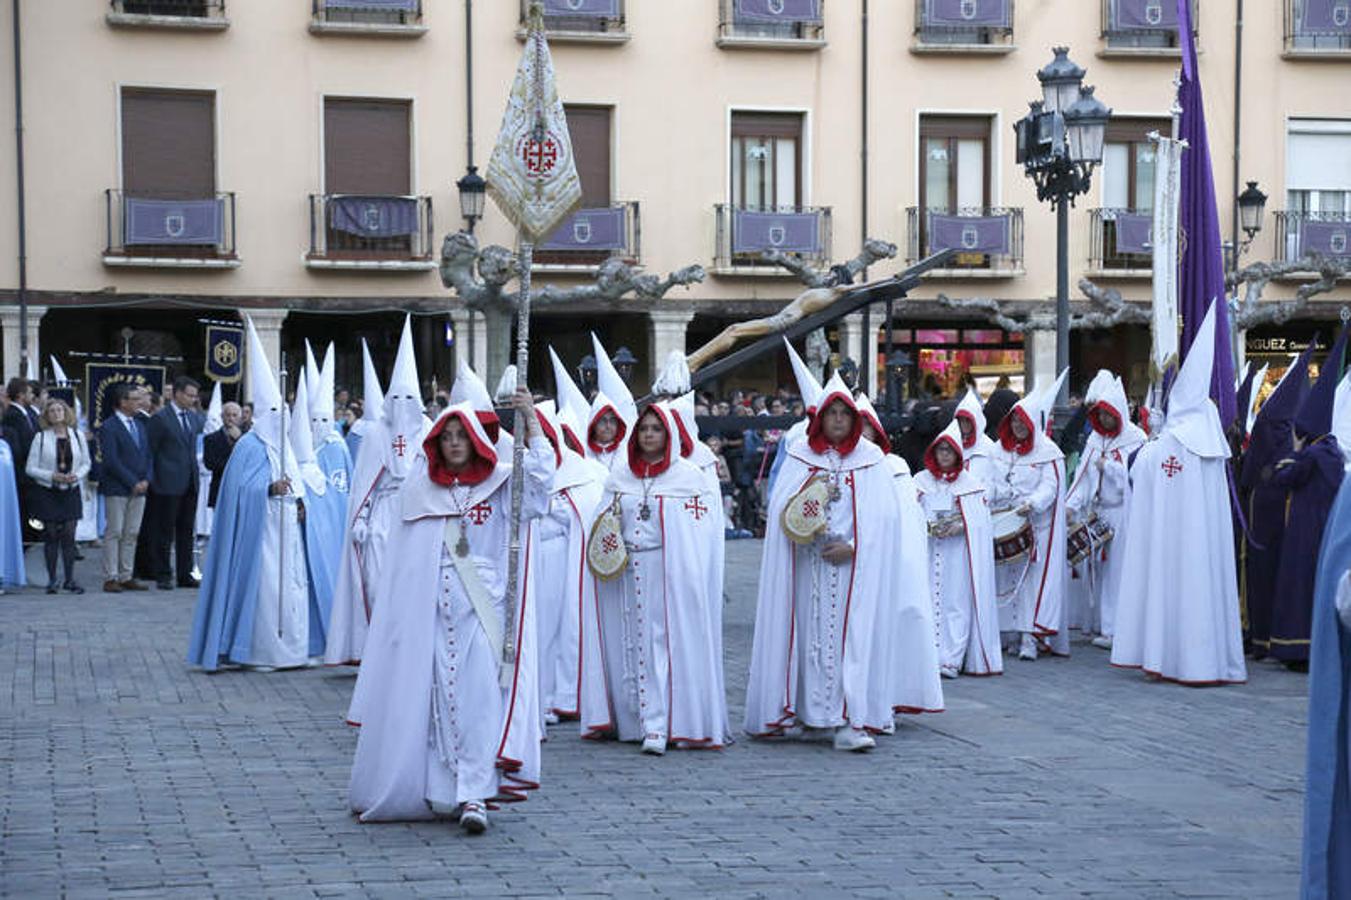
403	406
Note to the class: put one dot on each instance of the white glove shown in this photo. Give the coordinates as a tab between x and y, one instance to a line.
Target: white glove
360	530
1344	600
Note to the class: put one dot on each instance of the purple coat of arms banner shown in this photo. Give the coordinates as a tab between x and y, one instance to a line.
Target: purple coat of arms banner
374	5
1133	233
967	13
789	232
373	217
173	221
1143	15
1325	17
589	229
969	234
600	9
778	10
1331	239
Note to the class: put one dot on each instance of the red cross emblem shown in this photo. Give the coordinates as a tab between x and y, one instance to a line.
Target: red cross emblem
1171	466
479	513
812	508
695	508
540	157
399	445
610	543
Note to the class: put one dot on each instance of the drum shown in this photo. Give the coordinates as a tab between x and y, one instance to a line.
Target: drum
1086	537
1013	536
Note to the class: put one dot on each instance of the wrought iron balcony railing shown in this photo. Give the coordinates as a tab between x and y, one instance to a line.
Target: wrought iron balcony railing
369	228
581	19
1119	240
164	227
195	9
1301	235
964	23
590	236
372	13
771	22
743	234
986	238
1142	24
1317	27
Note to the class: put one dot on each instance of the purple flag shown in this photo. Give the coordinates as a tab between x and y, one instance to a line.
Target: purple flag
1143	15
1201	269
967	13
600	9
790	232
589	229
172	222
373	217
1133	233
374	5
969	234
1325	238
1326	17
778	11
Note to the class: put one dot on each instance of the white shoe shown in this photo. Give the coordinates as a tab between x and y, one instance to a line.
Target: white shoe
654	744
314	662
551	718
1028	648
474	817
890	727
1102	641
261	668
948	671
854	740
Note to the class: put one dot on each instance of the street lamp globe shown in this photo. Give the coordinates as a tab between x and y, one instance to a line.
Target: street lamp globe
472	190
1251	205
1086	128
1060	80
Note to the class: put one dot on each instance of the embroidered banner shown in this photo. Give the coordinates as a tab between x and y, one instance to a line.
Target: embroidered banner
224	353
373	216
100	377
600	9
778	11
1143	15
1325	17
1163	248
789	232
374	5
971	234
1132	232
1325	238
959	13
589	229
173	221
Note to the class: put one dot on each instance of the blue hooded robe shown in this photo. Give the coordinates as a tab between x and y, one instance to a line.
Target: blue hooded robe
12	572
325	526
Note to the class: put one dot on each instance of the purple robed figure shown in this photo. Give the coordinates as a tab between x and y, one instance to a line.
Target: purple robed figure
1201	270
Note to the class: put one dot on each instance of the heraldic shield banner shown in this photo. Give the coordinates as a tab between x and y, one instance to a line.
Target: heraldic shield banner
224	353
100	377
532	175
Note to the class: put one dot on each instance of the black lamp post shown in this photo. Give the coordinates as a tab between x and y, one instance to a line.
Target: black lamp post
472	190
1252	203
1059	143
586	374
898	368
624	361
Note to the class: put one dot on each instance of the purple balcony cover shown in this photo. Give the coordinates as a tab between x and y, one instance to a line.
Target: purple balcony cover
1326	238
789	232
778	10
589	229
600	9
1325	17
373	217
174	221
377	5
1132	233
1143	15
967	13
969	234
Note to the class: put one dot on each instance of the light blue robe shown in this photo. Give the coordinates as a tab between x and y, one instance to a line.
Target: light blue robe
1327	799
325	526
12	573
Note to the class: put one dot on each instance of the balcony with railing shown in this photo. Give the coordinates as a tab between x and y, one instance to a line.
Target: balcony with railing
1119	243
148	230
963	26
771	24
581	21
382	18
589	237
192	15
742	235
988	240
1317	29
1145	28
366	232
1306	236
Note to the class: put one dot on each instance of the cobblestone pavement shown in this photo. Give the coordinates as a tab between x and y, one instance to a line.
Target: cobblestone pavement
126	774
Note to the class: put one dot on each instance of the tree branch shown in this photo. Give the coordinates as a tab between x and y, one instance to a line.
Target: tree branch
873	251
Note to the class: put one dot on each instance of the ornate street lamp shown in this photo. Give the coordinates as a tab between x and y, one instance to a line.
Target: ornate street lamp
473	190
1252	203
586	374
898	372
624	361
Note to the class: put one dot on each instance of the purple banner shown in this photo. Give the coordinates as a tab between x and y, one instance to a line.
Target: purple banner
1325	238
789	232
969	234
1143	15
174	221
589	229
967	13
376	5
600	9
1133	233
373	217
778	11
1325	17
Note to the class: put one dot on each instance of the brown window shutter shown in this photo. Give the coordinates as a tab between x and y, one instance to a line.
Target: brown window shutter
367	147
756	124
1136	131
168	143
589	128
973	127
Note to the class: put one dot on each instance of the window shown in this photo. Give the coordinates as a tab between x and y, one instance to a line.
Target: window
1128	163
581	19
1317	26
200	8
958	23
954	163
602	227
766	160
367	206
1141	24
777	22
1318	188
383	16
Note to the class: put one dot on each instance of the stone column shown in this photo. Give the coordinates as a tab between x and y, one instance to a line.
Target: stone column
268	323
1038	359
471	338
851	339
876	340
9	324
666	332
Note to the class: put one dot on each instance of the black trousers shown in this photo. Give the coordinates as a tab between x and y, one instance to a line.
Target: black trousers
170	520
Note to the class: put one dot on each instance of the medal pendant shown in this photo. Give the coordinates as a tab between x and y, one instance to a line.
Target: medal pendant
644	512
462	545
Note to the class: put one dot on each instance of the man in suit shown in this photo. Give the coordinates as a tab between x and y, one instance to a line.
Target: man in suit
172	503
217	445
123	482
21	424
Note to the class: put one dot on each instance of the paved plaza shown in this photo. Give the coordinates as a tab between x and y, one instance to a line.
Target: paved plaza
126	774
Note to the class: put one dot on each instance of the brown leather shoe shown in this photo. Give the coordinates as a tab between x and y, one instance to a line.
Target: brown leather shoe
112	587
132	585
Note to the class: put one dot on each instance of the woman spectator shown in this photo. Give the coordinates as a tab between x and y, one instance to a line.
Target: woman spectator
57	461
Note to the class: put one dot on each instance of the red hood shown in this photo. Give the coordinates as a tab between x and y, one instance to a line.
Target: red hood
968	442
481	464
1101	406
637	465
619	435
931	461
1006	438
816	439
